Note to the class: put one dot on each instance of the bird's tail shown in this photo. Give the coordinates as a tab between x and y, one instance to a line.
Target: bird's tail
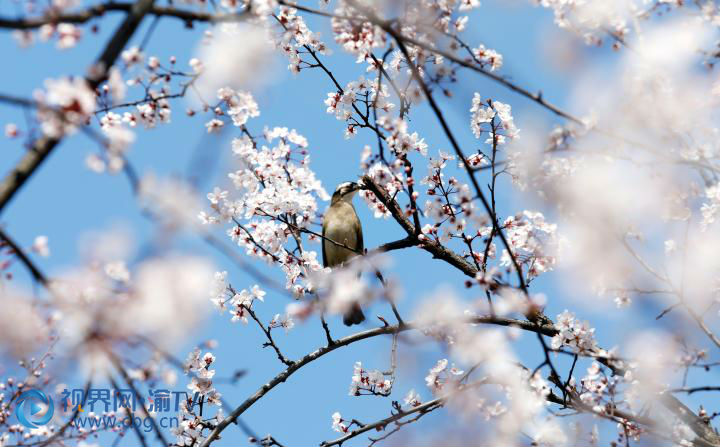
354	315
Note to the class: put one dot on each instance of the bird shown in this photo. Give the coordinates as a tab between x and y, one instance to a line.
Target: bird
342	225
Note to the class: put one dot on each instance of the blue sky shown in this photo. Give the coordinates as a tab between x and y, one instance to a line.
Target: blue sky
64	200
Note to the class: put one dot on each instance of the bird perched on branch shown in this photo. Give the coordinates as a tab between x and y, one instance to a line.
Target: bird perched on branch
343	238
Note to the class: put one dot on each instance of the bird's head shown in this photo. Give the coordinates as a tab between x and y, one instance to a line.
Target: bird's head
345	191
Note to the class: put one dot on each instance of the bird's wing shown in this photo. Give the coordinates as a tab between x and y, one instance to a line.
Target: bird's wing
323	241
358	231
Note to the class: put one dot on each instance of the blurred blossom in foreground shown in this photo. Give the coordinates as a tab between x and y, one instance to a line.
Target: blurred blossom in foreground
103	305
654	355
342	287
622	187
23	328
171	200
237	56
507	395
65	104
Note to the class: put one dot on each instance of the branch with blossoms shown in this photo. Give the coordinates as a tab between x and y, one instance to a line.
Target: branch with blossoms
78	105
54	18
570	338
415	408
551	331
271	211
243	303
24	259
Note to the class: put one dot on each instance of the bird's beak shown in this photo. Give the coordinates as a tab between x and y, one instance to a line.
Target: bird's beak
354	187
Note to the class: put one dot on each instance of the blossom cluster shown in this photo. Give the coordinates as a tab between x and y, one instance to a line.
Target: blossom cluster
576	334
440	378
372	381
192	424
338	423
67	35
201	382
66	104
710	209
347	104
294	38
391	178
274	195
533	242
483	119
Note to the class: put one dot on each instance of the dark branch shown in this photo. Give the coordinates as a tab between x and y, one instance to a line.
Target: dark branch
34	271
97	11
43	146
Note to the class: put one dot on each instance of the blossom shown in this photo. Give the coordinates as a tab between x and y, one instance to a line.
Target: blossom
152	113
257	293
343	287
400	140
68	35
372	381
240	302
173	201
338	424
132	56
217	196
412	398
711	207
201	382
284	321
228	65
208	359
11	130
532	240
622	300
574	333
115	83
468	4
488	56
214	125
169	289
118	271
22	330
343	104
274	182
218	290
119	138
65	4
432	380
357	39
71	102
240	105
40	246
390	179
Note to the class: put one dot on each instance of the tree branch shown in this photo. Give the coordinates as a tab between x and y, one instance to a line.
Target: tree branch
385	330
42	147
34	271
126	378
97	11
381	424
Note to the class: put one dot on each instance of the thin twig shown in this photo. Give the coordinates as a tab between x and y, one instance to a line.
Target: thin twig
128	380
